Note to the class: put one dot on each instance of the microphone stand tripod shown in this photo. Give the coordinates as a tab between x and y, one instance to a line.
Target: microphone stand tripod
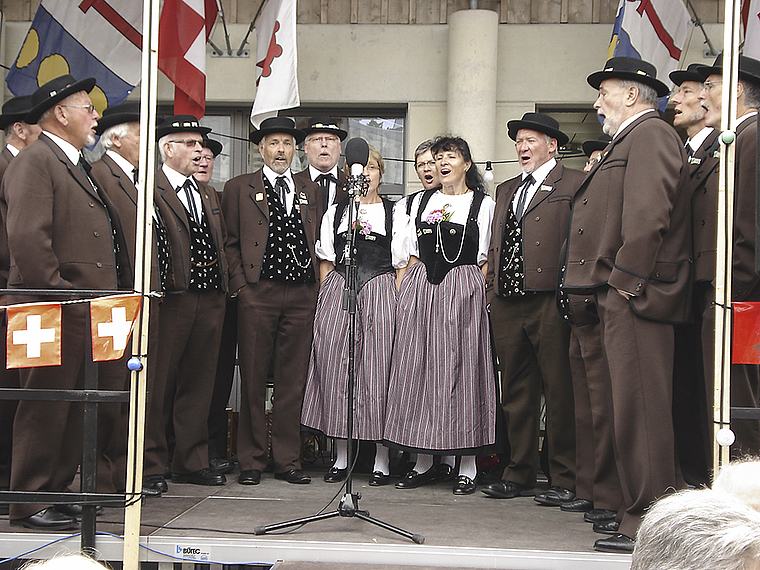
349	503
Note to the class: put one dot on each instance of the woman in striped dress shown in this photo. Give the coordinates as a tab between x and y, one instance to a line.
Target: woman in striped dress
442	393
324	405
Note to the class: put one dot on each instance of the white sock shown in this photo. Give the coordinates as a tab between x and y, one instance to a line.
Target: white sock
424	463
382	462
341	454
450	460
468	467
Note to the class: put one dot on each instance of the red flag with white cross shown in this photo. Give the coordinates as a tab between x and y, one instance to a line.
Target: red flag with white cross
34	335
112	320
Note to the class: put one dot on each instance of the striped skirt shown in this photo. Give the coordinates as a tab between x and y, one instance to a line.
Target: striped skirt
442	392
324	403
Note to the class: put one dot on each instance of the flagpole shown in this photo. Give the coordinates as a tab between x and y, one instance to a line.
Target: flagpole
144	239
723	308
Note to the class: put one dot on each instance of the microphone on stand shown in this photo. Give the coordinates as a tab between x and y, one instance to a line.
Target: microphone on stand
357	156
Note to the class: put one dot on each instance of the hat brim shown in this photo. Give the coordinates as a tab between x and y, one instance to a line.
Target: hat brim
256	136
115	119
203	131
214	146
339	132
707	70
516	125
596	78
34	115
11	118
592	145
681	75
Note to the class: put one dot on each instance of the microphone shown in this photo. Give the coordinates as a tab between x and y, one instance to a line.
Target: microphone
357	156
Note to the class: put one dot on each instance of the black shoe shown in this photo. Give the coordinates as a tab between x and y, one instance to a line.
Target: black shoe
154	485
75	510
412	479
597	515
221	466
250	477
335	475
444	473
464	486
378	479
203	477
47	519
295	476
607	527
577	506
508	490
554	497
615	543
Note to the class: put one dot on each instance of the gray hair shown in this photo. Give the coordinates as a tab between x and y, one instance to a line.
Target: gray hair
751	94
121	130
163	140
423	146
742	480
696	530
647	94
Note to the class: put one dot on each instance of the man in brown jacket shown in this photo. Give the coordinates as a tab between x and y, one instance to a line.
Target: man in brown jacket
272	224
192	311
531	338
63	233
629	244
745	283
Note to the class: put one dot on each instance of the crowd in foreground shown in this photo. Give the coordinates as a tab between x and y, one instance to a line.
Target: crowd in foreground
592	291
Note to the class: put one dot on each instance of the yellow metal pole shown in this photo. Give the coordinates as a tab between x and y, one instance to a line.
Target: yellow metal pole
144	250
723	316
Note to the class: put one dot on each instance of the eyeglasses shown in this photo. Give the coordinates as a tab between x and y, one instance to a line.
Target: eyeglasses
710	84
189	143
208	158
90	108
324	140
429	164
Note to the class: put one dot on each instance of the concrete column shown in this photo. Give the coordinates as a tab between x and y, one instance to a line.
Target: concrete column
473	48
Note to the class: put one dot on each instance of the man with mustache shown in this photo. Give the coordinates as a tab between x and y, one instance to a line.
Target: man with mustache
745	285
629	244
63	233
272	223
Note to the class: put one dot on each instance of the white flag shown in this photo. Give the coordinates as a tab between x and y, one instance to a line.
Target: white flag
276	61
751	20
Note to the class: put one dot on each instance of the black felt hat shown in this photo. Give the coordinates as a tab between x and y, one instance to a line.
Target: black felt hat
180	124
213	145
596	144
632	69
325	125
277	125
538	122
15	110
118	114
749	69
688	74
54	91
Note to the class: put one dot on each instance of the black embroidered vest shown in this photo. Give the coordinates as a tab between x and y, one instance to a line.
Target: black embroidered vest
287	256
511	273
205	273
373	251
445	245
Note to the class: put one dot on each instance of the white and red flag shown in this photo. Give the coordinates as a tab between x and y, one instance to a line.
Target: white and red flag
34	335
112	320
751	24
276	61
652	30
183	30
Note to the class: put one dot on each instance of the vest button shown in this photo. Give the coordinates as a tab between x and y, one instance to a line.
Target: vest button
260	222
538	243
538	218
580	231
91	204
98	264
582	261
452	231
96	234
539	270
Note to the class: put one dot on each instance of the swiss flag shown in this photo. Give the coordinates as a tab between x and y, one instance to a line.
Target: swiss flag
112	320
183	30
34	335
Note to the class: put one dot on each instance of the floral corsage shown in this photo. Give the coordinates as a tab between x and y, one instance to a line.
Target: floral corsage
441	215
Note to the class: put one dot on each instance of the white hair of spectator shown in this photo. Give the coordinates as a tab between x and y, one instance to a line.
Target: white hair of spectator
742	480
698	530
121	130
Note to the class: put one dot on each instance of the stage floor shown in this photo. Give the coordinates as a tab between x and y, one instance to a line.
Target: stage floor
216	525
